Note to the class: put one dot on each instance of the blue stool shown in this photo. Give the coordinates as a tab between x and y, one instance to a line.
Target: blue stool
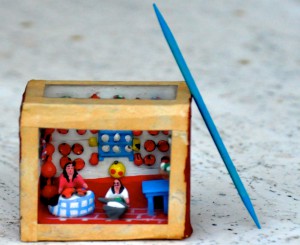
153	188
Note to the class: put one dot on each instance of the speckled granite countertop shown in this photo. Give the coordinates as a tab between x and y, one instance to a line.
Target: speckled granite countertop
245	57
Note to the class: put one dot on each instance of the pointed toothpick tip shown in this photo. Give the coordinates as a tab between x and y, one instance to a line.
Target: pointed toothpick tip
251	211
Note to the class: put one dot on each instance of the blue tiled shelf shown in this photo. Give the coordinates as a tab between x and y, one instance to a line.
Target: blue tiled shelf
112	143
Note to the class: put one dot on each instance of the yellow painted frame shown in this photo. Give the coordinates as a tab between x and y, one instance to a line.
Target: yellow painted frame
38	112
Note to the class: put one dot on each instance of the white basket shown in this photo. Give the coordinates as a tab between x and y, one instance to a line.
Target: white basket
76	206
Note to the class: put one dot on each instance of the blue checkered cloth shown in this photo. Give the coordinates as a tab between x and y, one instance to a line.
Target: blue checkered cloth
76	206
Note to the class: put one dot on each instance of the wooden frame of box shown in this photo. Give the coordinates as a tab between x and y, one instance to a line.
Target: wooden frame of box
39	111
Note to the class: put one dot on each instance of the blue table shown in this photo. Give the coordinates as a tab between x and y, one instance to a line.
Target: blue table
153	188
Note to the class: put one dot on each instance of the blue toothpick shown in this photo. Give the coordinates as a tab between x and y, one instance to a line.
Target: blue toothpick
206	116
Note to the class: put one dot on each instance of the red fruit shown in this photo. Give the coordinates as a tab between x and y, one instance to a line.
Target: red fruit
48	134
68	192
64	149
153	132
81	131
137	132
49	191
95	96
149	145
94	131
163	145
64	160
138	160
49	131
94	159
49	149
48	169
63	131
149	160
77	149
165	159
165	132
79	164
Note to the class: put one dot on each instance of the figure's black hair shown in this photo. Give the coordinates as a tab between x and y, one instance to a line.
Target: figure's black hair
121	188
65	172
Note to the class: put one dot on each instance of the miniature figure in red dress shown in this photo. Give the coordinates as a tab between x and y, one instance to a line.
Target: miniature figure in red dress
71	182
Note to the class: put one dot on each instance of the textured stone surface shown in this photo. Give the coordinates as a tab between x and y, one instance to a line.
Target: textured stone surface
244	56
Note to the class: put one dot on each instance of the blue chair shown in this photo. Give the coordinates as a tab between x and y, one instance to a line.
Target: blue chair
154	188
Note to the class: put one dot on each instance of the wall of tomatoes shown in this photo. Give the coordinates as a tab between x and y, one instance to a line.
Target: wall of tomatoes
57	146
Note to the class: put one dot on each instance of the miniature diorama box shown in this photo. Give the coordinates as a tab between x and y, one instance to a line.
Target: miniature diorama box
105	160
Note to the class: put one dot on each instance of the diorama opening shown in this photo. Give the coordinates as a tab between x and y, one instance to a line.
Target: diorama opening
119	176
143	92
